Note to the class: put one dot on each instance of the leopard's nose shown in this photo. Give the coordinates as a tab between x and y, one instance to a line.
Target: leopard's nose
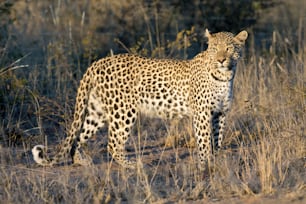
221	60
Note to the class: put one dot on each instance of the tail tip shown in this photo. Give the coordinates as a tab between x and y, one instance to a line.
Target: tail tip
39	155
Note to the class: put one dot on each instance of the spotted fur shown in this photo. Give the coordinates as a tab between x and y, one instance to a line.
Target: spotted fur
116	89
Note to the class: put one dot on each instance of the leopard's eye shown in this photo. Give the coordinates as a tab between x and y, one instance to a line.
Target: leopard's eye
229	48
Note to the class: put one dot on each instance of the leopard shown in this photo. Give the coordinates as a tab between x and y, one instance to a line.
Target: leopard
116	89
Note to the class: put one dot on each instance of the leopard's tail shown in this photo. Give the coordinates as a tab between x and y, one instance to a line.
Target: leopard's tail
39	151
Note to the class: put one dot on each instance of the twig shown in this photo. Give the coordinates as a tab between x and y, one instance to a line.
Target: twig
12	67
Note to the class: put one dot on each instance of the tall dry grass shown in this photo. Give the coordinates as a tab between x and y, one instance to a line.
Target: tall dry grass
264	149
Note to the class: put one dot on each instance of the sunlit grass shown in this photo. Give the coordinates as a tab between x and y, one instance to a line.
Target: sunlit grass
264	148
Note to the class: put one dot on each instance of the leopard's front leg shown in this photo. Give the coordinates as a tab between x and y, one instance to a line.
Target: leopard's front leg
218	120
203	132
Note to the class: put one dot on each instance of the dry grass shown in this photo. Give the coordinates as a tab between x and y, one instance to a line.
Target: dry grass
264	154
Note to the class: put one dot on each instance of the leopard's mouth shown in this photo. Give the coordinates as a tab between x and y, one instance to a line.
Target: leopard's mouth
223	67
226	66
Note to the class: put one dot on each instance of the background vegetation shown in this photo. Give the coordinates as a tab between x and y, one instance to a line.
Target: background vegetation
46	46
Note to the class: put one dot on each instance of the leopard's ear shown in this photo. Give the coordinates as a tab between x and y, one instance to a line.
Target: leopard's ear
207	33
241	37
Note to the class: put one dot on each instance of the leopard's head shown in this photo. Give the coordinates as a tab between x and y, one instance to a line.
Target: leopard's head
224	49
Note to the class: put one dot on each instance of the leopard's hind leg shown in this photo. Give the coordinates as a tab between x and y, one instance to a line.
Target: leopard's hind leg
120	125
94	119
